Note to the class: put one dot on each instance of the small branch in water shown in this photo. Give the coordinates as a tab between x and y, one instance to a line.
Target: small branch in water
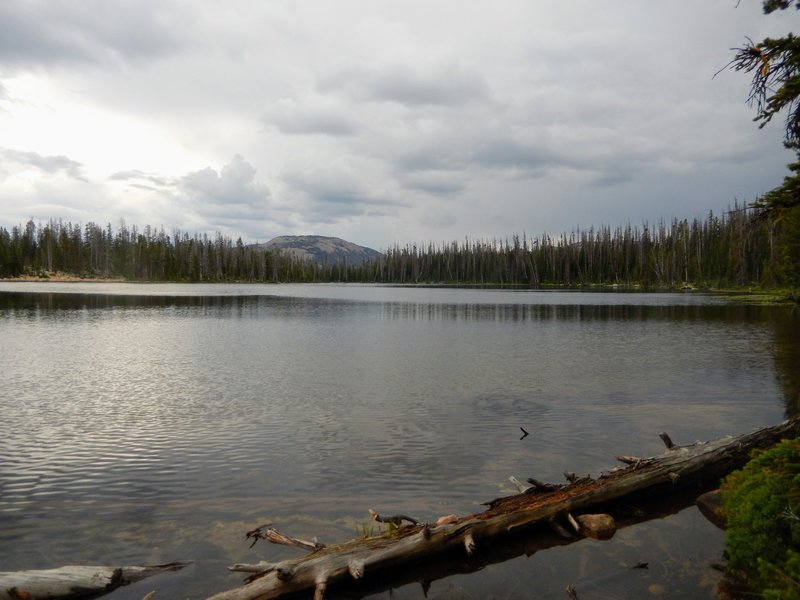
395	520
573	478
524	433
574	523
521	487
667	441
261	567
634	461
276	537
544	487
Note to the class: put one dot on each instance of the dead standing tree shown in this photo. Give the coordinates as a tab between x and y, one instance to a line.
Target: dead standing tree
557	507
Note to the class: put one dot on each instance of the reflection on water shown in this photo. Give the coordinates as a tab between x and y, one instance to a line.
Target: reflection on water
149	423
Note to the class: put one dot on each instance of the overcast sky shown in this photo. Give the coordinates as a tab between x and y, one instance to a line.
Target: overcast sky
379	122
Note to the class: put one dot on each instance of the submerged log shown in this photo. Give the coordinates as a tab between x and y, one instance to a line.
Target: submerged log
702	464
74	581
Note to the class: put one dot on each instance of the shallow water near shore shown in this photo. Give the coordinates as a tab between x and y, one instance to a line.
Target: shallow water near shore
159	422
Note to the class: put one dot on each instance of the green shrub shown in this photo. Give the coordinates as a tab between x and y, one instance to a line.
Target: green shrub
761	504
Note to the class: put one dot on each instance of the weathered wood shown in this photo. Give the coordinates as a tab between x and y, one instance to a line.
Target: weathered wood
395	520
276	537
679	467
521	487
74	581
667	440
631	460
522	543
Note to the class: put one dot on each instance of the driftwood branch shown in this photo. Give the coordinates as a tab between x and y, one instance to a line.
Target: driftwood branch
630	460
521	487
667	441
259	567
395	520
276	537
75	581
686	469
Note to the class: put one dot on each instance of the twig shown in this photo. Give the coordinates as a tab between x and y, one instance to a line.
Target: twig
667	441
276	537
543	487
521	487
395	520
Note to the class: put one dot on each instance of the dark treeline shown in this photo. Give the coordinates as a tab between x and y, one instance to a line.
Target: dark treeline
739	248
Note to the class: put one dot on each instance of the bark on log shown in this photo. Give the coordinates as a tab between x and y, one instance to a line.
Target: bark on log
679	467
74	581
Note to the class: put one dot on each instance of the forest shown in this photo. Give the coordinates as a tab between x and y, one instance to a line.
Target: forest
743	247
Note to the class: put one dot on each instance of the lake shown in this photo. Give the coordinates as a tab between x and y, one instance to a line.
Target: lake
148	423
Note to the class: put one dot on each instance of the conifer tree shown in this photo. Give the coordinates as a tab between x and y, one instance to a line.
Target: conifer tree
775	65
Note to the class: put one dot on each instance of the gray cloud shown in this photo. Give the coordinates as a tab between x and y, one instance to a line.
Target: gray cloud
36	32
419	85
329	195
48	164
382	122
136	177
437	183
233	188
482	148
292	118
230	199
507	153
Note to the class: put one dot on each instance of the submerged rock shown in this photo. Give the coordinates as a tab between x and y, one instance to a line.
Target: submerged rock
710	504
601	527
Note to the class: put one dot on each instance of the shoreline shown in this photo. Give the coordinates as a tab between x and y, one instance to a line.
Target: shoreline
64	278
745	294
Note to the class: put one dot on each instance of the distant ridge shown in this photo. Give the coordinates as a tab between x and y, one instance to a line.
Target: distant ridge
321	249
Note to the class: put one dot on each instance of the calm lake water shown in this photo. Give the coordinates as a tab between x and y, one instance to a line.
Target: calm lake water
152	423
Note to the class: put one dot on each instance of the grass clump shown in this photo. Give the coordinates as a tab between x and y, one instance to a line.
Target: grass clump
762	504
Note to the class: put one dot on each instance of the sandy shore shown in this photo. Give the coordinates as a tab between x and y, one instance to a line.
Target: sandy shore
62	278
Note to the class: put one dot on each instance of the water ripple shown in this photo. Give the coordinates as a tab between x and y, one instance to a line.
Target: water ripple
129	422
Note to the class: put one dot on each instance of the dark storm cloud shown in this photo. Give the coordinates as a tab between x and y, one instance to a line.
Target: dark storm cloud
48	164
37	32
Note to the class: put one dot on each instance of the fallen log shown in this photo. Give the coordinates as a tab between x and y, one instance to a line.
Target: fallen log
696	467
525	542
77	581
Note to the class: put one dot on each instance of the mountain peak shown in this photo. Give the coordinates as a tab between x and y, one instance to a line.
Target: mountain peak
321	249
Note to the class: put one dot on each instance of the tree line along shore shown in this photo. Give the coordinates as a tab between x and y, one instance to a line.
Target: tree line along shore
742	247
